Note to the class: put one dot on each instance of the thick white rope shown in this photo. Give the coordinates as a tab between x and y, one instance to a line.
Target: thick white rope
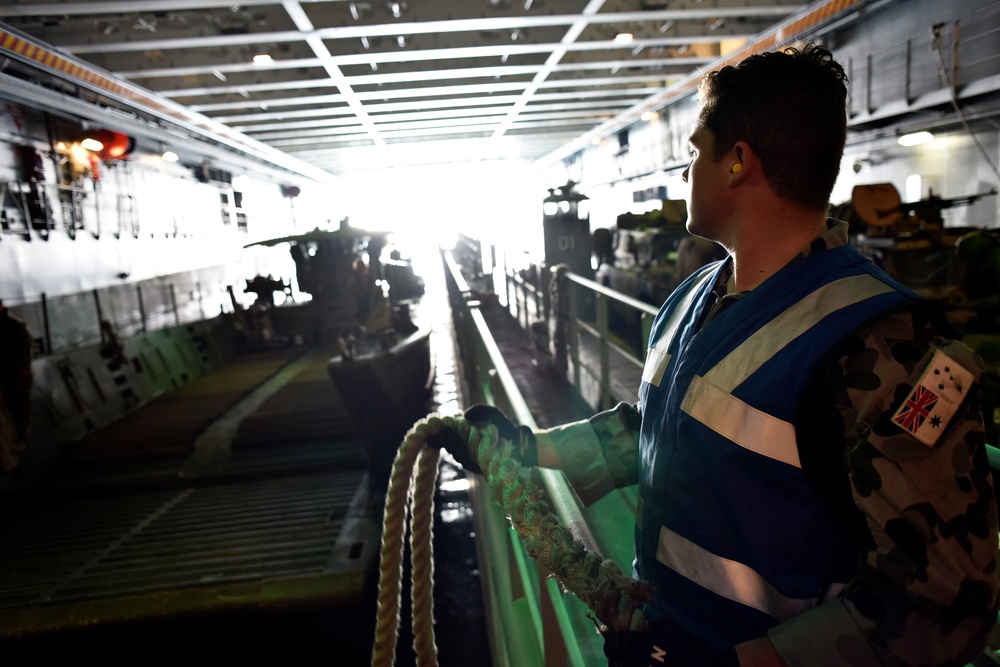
421	501
422	556
614	598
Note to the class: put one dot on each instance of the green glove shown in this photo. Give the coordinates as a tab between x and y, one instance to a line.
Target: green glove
449	440
522	437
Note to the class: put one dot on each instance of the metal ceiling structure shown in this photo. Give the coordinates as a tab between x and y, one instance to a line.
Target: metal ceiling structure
343	85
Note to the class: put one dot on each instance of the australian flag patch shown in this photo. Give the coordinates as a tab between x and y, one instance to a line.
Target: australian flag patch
934	399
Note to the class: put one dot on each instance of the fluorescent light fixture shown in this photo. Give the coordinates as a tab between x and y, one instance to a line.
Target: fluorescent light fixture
624	38
262	59
92	144
650	115
169	156
914	187
915	138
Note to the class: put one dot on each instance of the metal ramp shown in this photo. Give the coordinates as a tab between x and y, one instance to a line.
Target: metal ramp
169	424
220	547
195	525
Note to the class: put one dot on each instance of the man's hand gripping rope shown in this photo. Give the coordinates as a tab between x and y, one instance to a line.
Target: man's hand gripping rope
614	598
478	442
500	448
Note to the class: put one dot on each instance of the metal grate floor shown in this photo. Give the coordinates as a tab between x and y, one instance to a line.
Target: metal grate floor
190	549
168	424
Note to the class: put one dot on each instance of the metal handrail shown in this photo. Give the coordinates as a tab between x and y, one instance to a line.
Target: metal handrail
520	292
603	296
71	208
493	383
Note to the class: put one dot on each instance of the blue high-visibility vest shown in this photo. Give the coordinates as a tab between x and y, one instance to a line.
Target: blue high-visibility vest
729	531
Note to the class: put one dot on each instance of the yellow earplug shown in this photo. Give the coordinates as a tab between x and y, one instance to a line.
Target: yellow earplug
737	168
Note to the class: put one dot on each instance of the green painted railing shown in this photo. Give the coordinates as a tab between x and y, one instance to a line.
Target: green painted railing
532	621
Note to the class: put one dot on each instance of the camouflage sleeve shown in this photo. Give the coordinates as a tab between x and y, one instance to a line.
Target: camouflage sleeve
597	454
919	503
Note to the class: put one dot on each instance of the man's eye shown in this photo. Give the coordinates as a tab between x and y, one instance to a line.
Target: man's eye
692	152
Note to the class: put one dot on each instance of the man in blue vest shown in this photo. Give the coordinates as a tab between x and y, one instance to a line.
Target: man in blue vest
808	444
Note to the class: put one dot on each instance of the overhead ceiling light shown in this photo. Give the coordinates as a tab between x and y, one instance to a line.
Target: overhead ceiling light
400	41
262	59
219	75
915	138
650	115
92	144
169	156
624	38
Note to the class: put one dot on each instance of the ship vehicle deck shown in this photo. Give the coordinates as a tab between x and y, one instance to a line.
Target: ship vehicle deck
239	504
234	499
218	507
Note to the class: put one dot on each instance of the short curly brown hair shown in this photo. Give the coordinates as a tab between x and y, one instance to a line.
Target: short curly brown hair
790	106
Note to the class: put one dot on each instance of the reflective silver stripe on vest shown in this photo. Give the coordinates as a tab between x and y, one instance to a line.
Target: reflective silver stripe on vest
767	341
747	426
727	578
708	399
657	357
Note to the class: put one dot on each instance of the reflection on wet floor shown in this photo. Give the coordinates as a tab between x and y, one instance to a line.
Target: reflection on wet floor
460	628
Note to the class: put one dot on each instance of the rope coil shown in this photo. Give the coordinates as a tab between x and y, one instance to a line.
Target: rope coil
613	597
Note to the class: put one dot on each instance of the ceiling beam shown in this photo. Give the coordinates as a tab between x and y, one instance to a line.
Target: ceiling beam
430	91
578	26
432	27
303	23
130	7
384	57
807	23
627	91
285	130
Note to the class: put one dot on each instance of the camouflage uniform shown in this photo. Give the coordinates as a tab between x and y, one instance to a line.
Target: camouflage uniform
923	520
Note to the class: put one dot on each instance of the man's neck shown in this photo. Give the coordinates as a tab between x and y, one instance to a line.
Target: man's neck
770	241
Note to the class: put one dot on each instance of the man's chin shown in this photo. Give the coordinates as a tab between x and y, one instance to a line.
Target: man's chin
694	229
